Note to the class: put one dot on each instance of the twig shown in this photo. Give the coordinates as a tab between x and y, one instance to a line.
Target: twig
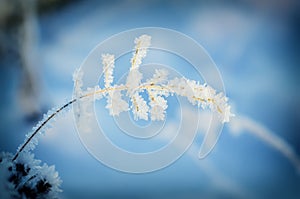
43	124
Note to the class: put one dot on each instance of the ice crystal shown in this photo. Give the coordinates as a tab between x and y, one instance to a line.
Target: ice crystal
25	178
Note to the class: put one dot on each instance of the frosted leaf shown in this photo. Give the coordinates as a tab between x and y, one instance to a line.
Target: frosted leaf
77	79
180	87
158	108
139	107
160	101
141	45
133	80
98	95
143	41
209	92
159	76
115	103
199	96
222	107
157	113
108	62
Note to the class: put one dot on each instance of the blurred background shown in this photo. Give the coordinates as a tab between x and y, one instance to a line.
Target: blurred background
255	45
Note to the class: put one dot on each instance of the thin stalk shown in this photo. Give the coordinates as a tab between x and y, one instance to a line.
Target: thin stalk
41	126
54	114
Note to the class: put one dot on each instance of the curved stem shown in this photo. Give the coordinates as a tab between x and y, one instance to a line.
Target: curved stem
55	113
143	86
51	116
41	126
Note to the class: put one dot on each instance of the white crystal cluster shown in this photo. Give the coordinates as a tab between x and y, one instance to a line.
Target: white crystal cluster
157	88
27	177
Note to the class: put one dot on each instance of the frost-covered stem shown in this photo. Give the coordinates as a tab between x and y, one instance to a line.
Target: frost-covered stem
54	114
158	88
141	45
134	58
148	87
41	126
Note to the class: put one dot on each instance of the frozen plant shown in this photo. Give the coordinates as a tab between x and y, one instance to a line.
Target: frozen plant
158	88
27	179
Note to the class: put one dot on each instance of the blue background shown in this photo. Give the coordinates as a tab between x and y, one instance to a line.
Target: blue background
255	45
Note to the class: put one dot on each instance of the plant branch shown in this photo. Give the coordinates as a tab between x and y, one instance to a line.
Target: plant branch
41	126
148	87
